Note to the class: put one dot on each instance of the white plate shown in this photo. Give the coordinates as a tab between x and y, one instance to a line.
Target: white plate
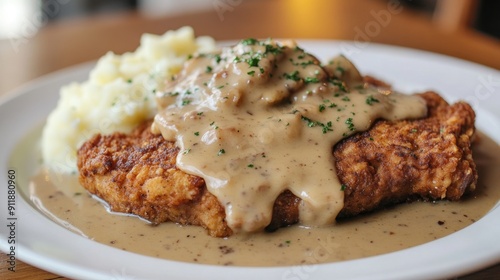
42	243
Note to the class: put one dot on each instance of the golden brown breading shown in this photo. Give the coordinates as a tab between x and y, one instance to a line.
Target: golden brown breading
136	174
428	158
390	163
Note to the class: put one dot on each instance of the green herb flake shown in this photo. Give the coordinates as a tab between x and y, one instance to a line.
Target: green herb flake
186	151
321	107
305	64
250	165
185	102
251	73
217	58
311	123
343	187
350	125
208	69
309	80
253	61
341	85
221	152
249	41
272	49
197	133
370	100
293	76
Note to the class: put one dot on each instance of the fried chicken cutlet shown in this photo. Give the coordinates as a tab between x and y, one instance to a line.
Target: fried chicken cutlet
390	163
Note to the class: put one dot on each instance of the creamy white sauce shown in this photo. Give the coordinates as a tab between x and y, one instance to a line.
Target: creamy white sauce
260	118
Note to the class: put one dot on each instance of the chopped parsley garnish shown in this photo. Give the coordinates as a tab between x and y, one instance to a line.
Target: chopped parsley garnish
197	133
321	107
304	64
310	123
272	49
341	85
208	69
185	102
346	98
350	125
217	58
343	187
251	73
293	76
309	80
324	127
370	100
249	41
129	81
250	165
253	61
186	151
221	152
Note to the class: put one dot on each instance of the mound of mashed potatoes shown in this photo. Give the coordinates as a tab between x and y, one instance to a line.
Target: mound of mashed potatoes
118	95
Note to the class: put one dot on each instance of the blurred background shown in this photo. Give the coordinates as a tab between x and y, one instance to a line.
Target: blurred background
480	16
41	36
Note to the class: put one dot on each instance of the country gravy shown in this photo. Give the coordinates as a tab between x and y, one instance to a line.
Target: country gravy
262	117
63	200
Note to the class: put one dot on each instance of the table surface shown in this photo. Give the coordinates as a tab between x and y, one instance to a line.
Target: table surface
65	43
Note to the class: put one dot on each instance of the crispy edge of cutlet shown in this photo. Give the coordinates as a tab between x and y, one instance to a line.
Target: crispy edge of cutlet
136	173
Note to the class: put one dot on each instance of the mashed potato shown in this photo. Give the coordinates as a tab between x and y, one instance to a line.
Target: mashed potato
118	95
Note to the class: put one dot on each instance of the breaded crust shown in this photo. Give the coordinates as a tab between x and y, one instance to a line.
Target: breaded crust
392	162
136	173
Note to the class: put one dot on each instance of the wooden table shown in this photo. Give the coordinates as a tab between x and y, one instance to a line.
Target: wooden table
74	41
